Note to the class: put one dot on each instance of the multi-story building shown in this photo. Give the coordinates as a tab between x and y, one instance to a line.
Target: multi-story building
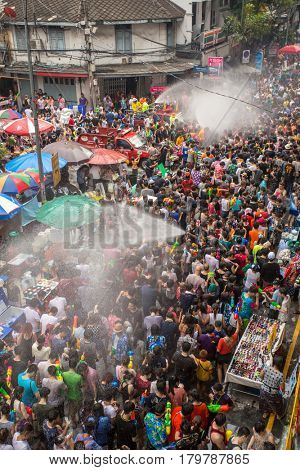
203	16
121	46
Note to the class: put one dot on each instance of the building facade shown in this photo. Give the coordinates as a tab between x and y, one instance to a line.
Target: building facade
89	46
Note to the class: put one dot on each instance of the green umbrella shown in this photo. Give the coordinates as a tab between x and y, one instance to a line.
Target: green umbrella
69	212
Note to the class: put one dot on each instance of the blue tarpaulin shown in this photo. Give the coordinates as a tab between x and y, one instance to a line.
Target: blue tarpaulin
29	211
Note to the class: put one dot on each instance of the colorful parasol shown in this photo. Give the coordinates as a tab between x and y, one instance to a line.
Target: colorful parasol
25	127
9	114
106	157
8	207
33	173
16	183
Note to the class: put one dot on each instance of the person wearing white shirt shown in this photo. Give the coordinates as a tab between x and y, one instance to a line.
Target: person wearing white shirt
48	319
212	262
32	316
60	303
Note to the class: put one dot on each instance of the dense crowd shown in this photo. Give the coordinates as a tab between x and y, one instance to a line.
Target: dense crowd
146	367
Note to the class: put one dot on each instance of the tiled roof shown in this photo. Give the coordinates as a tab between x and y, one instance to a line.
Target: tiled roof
66	11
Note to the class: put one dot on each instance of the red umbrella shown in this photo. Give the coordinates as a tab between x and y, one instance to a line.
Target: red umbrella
106	157
25	127
292	49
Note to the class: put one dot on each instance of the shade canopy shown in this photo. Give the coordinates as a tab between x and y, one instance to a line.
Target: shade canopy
69	212
291	49
30	160
8	207
16	183
25	127
9	114
70	151
106	157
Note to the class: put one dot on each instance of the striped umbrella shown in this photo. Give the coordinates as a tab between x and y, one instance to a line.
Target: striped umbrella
9	114
8	207
15	183
25	127
33	173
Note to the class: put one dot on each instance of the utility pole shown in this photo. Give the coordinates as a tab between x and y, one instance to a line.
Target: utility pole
90	63
33	103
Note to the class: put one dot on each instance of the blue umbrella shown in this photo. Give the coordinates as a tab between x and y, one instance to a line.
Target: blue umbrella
9	207
30	160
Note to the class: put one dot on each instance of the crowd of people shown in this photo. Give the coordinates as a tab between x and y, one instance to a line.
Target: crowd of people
146	367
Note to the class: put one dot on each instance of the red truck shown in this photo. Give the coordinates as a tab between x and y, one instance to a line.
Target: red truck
126	141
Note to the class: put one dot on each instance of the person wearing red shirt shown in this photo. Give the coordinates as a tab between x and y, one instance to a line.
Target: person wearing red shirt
187	184
225	348
178	414
241	259
200	409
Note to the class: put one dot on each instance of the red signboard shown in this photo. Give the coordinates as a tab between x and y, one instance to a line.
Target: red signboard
158	89
215	62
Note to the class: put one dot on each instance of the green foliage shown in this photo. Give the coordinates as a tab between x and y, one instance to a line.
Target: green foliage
257	22
3	152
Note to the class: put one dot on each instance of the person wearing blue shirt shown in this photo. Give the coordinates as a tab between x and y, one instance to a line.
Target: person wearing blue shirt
27	381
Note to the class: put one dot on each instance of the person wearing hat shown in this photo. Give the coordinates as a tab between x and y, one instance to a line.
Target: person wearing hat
120	343
270	270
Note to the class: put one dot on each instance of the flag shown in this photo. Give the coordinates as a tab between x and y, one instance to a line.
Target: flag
162	169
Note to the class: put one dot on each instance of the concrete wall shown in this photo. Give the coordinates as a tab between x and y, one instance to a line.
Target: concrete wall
184	28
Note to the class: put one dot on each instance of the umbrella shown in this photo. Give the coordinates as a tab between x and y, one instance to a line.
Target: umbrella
69	212
70	151
33	173
25	127
9	114
30	160
8	207
15	183
107	157
292	49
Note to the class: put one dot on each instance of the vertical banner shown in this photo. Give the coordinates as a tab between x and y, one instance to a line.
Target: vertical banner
259	60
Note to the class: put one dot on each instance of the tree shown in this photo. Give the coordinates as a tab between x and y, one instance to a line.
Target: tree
256	22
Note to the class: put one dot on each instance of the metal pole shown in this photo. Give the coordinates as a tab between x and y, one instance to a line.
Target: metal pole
33	103
88	41
287	27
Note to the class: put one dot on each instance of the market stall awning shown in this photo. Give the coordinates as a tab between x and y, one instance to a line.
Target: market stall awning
61	74
106	157
132	70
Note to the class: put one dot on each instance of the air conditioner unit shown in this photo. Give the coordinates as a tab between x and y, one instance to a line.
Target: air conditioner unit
36	44
124	60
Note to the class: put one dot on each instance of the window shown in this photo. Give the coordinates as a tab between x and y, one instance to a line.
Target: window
194	13
123	38
224	3
56	39
20	39
123	144
213	18
170	35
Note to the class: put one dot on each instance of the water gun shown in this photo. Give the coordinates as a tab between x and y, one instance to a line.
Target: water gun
130	354
58	370
275	305
236	313
232	302
212	408
82	358
8	376
260	291
144	397
75	323
29	410
174	246
4	394
113	351
168	418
